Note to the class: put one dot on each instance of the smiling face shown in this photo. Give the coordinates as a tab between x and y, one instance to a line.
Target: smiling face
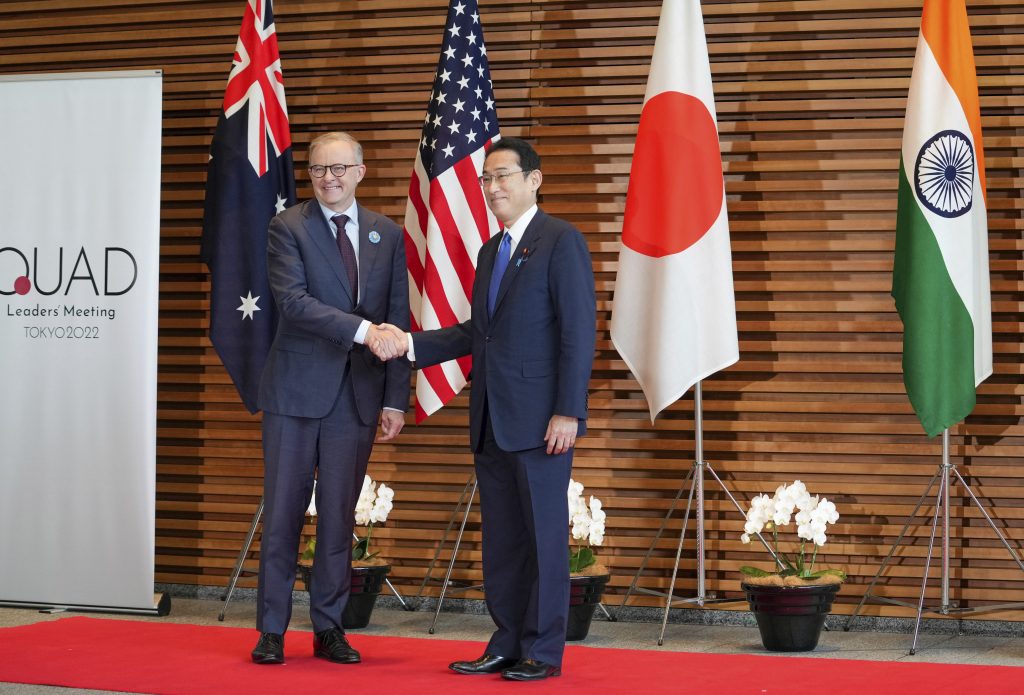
336	192
511	196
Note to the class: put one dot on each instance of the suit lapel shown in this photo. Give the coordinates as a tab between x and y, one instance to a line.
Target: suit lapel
320	231
527	245
368	248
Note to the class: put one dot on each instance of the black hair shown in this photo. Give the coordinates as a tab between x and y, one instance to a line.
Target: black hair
529	160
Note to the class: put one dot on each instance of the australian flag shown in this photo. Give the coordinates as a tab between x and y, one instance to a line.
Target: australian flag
250	179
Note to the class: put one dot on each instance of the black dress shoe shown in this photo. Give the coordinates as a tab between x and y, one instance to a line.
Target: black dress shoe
332	645
530	670
488	663
270	649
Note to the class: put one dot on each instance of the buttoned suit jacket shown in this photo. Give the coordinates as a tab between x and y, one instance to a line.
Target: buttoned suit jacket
532	359
318	315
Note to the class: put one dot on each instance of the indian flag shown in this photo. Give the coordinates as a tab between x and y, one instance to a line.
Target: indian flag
940	275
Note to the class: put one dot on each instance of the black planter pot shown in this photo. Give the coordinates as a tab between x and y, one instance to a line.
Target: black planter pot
305	575
584	595
790	618
366	586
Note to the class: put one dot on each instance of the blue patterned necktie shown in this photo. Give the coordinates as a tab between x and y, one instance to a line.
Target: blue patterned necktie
348	253
500	264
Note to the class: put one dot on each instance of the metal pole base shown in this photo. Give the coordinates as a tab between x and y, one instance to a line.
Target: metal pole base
946	607
226	598
696	478
466	498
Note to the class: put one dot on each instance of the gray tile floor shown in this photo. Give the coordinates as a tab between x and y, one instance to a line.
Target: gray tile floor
941	641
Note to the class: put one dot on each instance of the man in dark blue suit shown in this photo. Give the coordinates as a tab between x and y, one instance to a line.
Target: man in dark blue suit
531	335
337	270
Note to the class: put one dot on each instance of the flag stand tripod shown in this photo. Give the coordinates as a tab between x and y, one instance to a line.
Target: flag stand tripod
237	571
696	478
470	491
941	503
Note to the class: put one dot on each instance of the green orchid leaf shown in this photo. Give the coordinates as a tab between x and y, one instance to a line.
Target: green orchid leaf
581	559
830	572
754	571
360	549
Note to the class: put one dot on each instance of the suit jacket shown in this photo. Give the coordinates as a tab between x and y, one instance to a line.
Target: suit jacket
318	315
532	359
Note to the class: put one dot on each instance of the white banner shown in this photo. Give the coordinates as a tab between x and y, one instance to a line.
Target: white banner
79	257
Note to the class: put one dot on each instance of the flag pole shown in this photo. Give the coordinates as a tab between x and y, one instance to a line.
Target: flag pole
944	607
699	463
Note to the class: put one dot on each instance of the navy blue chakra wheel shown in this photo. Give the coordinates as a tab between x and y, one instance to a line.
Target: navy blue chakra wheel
944	174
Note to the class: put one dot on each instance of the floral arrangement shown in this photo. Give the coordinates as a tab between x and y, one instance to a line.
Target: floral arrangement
373	506
587	527
813	517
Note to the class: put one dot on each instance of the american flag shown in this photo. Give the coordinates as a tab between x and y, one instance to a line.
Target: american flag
250	179
446	218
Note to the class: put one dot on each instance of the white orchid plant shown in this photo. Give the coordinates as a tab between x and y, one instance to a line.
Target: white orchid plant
587	527
373	506
813	515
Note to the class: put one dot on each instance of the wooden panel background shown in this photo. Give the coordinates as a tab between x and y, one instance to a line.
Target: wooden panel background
810	97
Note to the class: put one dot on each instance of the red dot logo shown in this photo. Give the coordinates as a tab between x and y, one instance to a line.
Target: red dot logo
22	285
675	188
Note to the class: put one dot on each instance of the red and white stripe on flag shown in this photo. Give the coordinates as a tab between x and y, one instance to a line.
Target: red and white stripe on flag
446	217
674	311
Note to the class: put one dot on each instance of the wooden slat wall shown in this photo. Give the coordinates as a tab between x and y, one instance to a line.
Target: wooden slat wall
810	98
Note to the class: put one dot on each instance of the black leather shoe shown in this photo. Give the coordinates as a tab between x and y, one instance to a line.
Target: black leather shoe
332	645
488	663
270	649
530	670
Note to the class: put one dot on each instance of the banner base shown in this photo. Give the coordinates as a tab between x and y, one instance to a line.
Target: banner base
161	607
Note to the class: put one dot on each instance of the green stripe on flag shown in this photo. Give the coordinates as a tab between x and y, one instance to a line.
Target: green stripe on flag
938	334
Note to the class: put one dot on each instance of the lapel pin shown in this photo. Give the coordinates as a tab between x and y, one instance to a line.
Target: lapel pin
374	237
523	257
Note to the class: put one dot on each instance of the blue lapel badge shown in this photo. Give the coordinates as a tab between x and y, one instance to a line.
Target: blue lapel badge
374	237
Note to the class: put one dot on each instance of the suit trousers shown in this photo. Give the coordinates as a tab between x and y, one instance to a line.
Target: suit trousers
525	522
336	448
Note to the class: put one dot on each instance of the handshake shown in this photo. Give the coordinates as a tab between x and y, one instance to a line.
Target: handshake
387	341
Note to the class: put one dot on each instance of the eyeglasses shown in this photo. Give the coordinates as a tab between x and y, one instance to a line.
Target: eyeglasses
487	179
318	171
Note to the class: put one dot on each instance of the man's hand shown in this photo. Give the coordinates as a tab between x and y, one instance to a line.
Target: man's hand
386	341
391	423
561	434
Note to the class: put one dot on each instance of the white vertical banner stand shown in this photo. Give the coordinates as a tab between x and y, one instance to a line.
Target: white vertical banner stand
79	273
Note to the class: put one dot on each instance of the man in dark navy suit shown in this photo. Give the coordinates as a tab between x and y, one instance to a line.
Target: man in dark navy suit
336	271
531	335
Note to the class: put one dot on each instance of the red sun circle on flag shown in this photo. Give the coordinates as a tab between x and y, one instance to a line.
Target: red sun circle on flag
676	185
22	285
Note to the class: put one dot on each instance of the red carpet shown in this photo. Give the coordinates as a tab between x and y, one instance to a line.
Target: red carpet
152	657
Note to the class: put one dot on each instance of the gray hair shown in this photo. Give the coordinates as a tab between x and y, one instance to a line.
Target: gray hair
337	136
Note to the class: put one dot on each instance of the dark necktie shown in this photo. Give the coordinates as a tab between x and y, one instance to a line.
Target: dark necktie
500	264
348	254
